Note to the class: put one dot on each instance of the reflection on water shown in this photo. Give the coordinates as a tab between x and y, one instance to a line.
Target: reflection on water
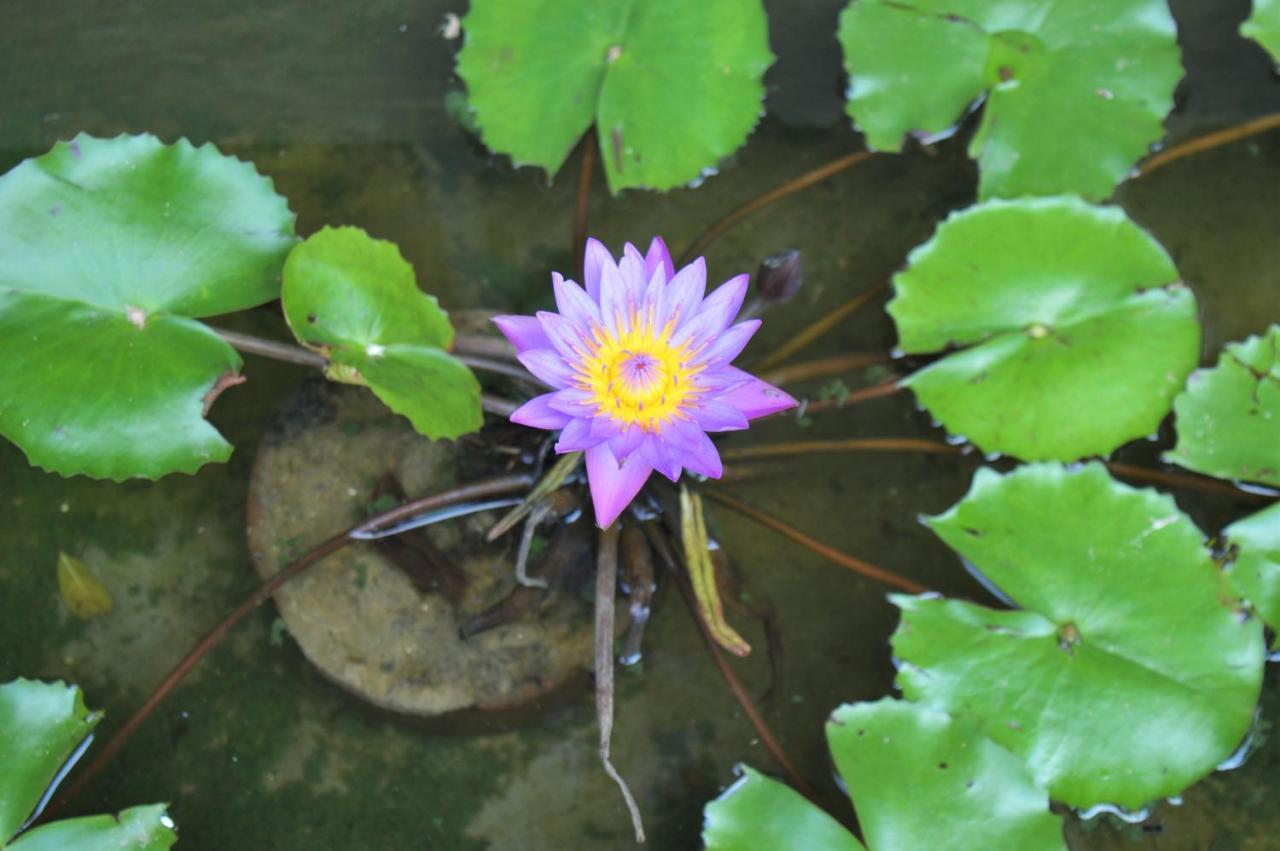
344	106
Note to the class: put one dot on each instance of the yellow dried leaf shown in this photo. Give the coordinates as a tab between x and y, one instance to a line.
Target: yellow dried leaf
81	591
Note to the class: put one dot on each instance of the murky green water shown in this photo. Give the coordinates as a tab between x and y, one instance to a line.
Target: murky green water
343	105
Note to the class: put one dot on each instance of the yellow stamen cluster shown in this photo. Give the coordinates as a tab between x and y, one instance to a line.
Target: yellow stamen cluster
636	376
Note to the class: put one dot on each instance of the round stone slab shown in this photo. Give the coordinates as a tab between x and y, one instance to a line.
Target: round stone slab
357	616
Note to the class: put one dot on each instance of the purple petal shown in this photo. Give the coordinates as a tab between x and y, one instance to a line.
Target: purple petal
728	345
662	457
524	332
626	442
596	259
757	398
716	415
536	413
576	437
704	459
612	486
659	257
574	402
684	293
574	304
564	335
721	379
613	299
716	312
548	366
681	433
631	268
605	428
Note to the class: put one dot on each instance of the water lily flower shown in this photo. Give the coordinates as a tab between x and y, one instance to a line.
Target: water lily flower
640	365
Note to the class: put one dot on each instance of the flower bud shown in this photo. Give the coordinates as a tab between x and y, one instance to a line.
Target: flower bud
779	277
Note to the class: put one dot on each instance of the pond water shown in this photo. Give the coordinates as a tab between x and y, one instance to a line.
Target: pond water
344	105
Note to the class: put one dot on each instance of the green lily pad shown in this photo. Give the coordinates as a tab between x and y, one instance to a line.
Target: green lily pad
108	248
1263	26
920	779
1126	674
758	812
42	727
1254	571
1077	330
899	761
145	828
672	87
355	299
1073	93
1228	418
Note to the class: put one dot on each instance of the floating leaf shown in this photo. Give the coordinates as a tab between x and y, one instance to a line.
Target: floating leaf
920	779
355	299
1077	329
107	249
1126	675
757	812
1228	418
1263	26
145	828
1255	570
43	729
672	87
81	591
1074	93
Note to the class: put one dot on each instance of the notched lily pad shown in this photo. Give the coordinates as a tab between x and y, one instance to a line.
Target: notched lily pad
1263	26
1254	571
899	760
1228	418
355	299
1073	93
1074	333
108	250
672	87
920	779
43	729
1127	673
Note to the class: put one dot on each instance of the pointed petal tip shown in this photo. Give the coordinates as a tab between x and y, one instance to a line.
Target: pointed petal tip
613	486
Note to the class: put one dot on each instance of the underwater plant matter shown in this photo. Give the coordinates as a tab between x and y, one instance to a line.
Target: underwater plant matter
640	366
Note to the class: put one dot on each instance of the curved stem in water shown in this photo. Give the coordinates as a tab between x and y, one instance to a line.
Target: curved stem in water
824	367
581	207
816	329
476	490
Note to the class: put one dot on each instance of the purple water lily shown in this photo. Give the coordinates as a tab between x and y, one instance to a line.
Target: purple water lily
640	365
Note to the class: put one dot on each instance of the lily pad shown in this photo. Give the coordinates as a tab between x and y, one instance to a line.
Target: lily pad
1263	26
108	248
355	299
758	812
1078	332
1255	570
920	779
899	761
672	87
1126	674
43	728
1228	418
1073	93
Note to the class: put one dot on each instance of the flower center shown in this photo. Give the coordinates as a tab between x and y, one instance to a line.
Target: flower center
637	377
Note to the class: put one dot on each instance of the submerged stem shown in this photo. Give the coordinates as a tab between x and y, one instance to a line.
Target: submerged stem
824	367
779	192
476	490
864	394
845	560
606	593
821	326
865	444
585	172
1207	142
286	352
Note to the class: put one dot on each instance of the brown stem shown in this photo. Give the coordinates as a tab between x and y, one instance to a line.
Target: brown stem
867	444
821	326
665	552
1200	144
1184	481
845	560
585	171
500	367
864	394
271	349
824	367
758	203
606	594
476	490
485	345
